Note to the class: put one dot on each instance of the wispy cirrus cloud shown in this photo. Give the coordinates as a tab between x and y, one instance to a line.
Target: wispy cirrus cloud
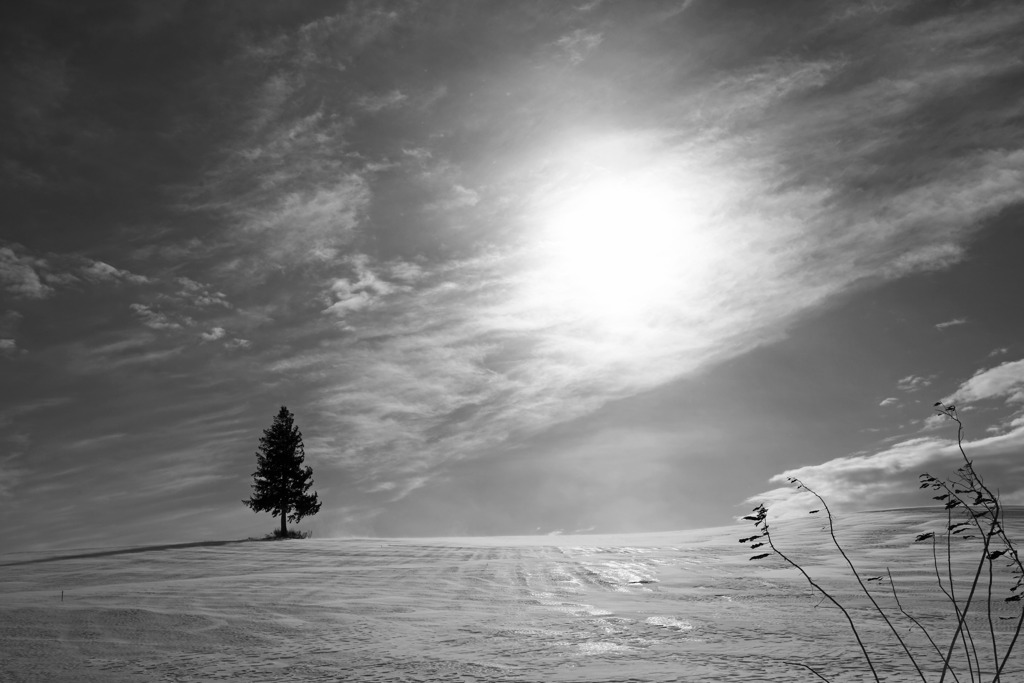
12	471
381	242
912	383
458	197
332	39
366	289
16	442
289	182
389	100
37	84
290	191
484	347
9	416
300	222
950	323
578	44
129	351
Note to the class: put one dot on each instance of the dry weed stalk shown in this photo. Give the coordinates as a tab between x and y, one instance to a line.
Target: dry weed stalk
979	512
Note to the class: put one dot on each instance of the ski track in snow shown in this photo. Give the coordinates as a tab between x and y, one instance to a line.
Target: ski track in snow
685	606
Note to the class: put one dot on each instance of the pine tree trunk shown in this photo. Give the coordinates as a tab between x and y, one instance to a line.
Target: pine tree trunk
284	529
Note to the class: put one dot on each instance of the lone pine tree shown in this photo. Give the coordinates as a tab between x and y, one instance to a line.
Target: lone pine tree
281	484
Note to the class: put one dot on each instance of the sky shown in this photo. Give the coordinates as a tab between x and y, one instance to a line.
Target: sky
516	268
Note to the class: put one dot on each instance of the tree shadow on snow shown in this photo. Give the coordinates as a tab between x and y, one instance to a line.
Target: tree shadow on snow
126	551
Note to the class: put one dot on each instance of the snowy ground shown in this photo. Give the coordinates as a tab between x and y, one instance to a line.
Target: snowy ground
683	606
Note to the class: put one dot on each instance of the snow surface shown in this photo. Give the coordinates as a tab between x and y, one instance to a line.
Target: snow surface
680	606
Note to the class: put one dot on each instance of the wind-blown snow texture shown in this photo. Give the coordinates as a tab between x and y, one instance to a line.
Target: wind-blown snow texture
684	606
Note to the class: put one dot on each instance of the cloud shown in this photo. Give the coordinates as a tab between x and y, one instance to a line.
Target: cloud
375	103
290	183
459	197
19	276
365	290
16	443
455	368
104	272
1001	351
879	479
12	472
421	154
888	478
92	442
753	91
25	408
449	353
199	295
404	271
912	383
354	29
156	320
214	334
889	402
490	346
950	323
36	86
233	344
38	277
106	358
1004	381
7	345
290	194
578	44
328	213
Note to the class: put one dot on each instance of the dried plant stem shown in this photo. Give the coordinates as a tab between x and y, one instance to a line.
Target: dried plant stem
991	625
856	574
960	625
983	514
963	628
813	671
991	510
1009	648
956	607
849	619
899	605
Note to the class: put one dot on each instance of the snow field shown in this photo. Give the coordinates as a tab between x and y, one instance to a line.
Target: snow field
684	606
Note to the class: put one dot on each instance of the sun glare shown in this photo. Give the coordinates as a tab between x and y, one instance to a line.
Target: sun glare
618	248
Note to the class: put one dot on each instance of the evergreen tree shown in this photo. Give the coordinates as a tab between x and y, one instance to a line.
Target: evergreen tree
281	482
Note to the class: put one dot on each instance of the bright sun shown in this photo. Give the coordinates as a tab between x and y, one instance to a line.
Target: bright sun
617	249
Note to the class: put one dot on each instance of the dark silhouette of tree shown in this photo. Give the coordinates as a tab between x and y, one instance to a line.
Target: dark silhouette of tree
281	482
